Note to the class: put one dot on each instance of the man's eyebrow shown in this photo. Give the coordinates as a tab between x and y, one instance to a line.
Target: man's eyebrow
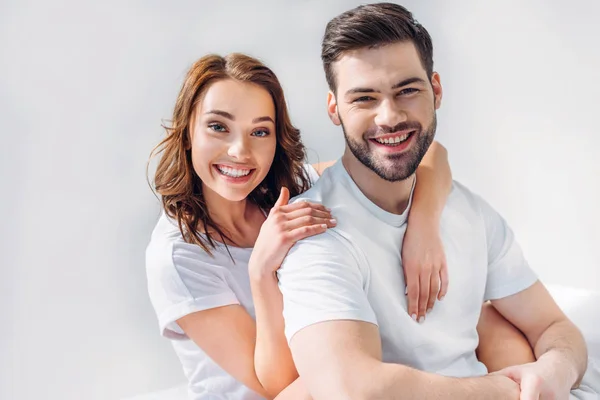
361	90
408	81
400	84
224	114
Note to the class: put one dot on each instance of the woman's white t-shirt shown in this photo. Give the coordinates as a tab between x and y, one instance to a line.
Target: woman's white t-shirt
182	279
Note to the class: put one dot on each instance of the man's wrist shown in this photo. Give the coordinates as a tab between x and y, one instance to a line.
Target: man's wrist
560	366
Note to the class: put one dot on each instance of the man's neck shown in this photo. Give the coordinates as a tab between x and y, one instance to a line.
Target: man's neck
392	197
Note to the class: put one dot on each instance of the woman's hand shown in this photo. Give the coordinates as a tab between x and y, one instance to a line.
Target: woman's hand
285	225
425	269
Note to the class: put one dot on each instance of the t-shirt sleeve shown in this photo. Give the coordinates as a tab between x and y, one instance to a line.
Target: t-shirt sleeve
321	280
183	280
508	270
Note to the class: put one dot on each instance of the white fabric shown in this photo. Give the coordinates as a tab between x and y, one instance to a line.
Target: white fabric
580	305
182	279
354	271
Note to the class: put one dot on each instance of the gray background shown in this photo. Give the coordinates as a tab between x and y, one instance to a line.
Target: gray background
83	89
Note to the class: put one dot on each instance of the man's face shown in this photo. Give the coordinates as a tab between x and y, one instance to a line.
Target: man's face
386	105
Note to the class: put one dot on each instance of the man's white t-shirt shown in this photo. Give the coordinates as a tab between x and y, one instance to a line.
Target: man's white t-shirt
354	272
182	279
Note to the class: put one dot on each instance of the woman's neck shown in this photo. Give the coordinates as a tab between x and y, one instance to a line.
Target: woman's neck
240	220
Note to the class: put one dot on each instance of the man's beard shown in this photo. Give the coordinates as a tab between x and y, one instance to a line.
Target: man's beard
394	167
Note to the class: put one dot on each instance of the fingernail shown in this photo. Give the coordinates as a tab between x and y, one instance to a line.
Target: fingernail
428	310
406	290
328	209
324	226
414	317
332	221
442	298
422	319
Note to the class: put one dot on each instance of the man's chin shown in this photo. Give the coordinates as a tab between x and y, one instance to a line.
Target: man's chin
394	172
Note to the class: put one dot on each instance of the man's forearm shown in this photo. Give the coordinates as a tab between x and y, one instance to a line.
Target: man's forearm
562	347
394	381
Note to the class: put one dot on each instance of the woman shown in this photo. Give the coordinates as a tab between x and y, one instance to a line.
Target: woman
230	162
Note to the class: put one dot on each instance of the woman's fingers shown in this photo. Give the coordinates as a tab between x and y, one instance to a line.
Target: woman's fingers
443	281
309	211
309	220
424	283
412	290
284	197
305	231
434	287
302	205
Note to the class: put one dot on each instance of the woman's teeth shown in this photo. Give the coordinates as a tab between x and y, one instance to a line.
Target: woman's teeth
393	140
233	172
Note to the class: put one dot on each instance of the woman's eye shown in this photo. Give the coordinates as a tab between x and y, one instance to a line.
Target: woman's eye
217	127
261	133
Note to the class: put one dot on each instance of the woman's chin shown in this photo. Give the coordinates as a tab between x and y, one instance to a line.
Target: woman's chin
233	194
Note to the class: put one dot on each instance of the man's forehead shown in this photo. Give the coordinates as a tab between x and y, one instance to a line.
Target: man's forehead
395	62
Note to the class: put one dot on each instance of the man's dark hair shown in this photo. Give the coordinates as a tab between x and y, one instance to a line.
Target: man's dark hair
371	26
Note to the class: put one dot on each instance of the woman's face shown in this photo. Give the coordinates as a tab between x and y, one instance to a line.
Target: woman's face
233	138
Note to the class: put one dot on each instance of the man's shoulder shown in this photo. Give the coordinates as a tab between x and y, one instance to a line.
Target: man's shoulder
324	189
464	199
331	243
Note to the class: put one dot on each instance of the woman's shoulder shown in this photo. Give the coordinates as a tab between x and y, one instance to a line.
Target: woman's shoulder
168	251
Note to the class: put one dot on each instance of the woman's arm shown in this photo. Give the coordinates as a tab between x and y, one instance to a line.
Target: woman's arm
423	256
227	335
272	358
322	166
285	225
501	344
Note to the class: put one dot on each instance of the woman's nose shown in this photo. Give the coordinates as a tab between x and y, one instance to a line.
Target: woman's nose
239	149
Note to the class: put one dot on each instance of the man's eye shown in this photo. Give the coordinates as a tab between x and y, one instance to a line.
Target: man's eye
408	91
261	133
217	127
362	99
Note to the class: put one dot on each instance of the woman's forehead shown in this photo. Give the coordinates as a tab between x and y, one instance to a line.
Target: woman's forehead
243	101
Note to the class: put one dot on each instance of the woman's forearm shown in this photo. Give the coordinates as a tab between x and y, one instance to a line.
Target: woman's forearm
434	182
272	357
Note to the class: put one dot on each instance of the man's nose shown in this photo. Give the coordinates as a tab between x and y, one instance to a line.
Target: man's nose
389	115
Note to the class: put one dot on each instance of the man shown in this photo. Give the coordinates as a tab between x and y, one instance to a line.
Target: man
345	315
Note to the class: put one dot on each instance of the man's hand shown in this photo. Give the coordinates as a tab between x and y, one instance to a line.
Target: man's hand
538	380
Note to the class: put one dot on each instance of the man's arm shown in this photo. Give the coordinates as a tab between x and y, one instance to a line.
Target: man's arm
342	360
334	339
556	341
516	293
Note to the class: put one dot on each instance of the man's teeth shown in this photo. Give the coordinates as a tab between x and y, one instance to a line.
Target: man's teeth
393	140
233	172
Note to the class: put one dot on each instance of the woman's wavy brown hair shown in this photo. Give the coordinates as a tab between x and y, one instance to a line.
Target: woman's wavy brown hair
175	179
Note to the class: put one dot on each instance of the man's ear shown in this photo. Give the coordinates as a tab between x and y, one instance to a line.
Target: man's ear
436	84
332	108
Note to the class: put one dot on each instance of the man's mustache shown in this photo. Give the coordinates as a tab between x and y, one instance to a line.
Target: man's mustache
402	126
